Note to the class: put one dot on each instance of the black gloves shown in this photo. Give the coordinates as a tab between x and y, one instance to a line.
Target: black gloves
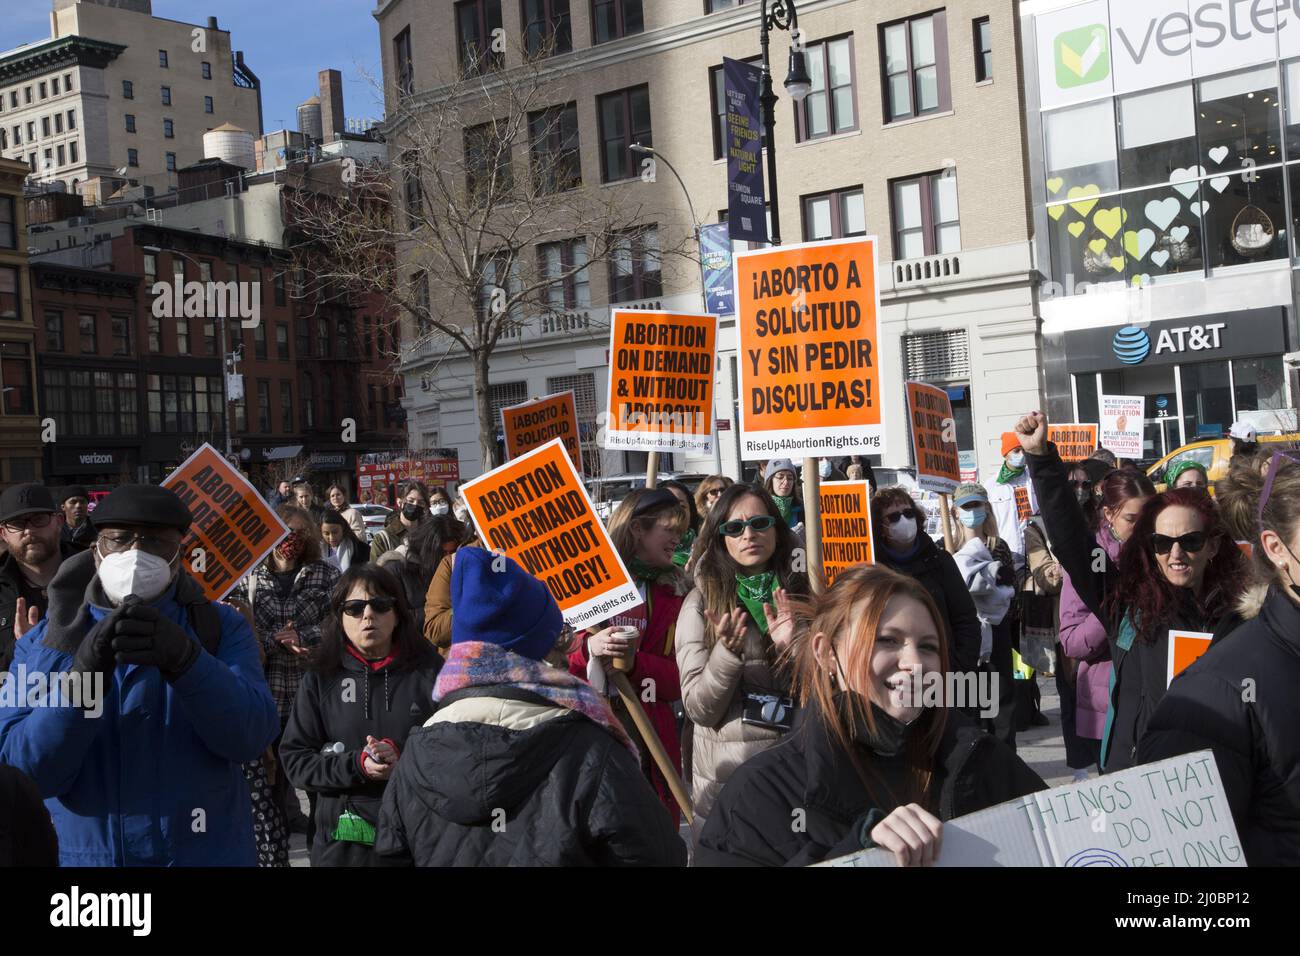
144	636
1006	576
95	655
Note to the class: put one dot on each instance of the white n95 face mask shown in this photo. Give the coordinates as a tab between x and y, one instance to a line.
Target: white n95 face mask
439	509
134	572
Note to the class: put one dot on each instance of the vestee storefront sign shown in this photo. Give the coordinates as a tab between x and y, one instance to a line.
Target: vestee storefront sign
1097	48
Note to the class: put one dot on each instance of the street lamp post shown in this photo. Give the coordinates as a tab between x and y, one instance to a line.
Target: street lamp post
798	84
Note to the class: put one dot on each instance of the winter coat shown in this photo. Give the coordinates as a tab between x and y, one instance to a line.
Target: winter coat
27	836
79	538
357	552
500	776
355	521
935	568
386	702
307	605
1083	637
750	825
437	609
11	576
123	789
1239	699
655	669
1011	527
391	536
979	573
1140	661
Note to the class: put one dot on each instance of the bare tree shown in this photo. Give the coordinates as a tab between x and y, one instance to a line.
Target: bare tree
485	172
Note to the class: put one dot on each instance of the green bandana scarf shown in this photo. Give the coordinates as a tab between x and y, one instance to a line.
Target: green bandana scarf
754	591
645	572
1007	474
785	506
683	552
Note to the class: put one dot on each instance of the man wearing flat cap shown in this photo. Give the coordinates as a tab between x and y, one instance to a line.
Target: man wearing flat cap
74	502
157	697
31	527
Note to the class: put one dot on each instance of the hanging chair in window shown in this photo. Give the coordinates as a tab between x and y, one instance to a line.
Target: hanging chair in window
1097	263
1180	251
1252	231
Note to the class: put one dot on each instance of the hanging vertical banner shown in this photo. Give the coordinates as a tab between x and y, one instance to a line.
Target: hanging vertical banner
536	511
746	209
846	527
1121	424
532	424
808	335
934	438
1074	441
661	368
715	266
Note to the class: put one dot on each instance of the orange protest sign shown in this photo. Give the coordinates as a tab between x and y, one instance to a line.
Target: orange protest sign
846	527
532	424
1185	647
233	528
661	368
1074	441
807	356
1024	508
934	438
535	510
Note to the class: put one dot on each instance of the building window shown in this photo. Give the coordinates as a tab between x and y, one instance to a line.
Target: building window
487	161
412	188
8	223
564	265
72	119
207	104
133	157
155	332
264	406
370	342
54	86
62	155
10	299
162	59
405	76
73	155
286	407
130	122
306	395
624	119
53	331
27	96
18	135
45	127
323	341
58	122
169	129
925	216
128	90
304	337
67	82
166	96
547	29
259	341
206	68
982	33
16	373
634	268
829	107
557	162
43	90
89	334
240	406
914	59
49	160
612	19
279	288
171	162
500	272
282	341
478	26
835	215
114	403
31	132
121	330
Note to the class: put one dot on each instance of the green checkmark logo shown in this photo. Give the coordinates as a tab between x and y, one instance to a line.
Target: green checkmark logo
1082	56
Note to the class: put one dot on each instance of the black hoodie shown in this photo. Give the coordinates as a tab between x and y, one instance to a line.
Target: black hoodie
509	779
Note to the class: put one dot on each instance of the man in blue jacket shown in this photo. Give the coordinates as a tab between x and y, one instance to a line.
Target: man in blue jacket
156	697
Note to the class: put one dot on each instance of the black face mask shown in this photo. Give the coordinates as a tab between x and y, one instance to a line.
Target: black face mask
412	512
1295	588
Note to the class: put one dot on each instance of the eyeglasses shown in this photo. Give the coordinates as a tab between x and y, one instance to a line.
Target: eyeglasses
1191	542
908	513
713	493
381	605
734	529
19	525
116	542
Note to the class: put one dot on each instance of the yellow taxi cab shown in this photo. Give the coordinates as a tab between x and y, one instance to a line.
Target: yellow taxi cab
1212	454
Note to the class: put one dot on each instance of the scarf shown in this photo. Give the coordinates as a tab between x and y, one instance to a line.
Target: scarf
479	664
641	571
754	591
683	552
785	505
1009	474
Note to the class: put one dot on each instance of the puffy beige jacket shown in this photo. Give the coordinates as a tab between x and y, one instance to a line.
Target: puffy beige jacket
711	678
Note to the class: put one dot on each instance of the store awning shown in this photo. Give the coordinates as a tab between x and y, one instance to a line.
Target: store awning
282	452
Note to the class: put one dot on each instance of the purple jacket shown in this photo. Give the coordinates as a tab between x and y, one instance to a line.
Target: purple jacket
1083	638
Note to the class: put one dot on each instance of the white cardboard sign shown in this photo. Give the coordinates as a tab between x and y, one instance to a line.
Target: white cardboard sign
1122	420
1169	813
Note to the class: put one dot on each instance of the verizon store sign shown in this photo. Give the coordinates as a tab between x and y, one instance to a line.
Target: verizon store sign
1099	48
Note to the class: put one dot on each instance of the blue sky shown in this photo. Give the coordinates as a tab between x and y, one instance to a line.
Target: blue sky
285	42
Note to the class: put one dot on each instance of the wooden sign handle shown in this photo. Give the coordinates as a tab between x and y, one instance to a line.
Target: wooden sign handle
651	740
812	524
652	469
946	520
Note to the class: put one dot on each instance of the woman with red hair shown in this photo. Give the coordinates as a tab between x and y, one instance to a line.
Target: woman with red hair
1178	570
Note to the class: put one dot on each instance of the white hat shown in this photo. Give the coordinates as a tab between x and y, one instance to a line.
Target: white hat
1242	431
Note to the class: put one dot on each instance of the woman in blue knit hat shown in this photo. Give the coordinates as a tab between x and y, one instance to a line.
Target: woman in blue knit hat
523	764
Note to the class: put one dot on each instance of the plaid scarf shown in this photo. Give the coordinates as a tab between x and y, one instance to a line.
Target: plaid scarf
479	664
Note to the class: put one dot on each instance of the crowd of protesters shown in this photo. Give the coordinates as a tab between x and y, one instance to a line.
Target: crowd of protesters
427	698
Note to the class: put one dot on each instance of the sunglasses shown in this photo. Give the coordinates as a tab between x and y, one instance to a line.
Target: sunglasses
1191	542
734	529
908	513
381	605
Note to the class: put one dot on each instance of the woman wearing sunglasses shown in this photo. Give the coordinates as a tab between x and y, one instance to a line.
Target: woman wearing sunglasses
865	766
708	492
895	520
1255	736
1177	570
369	686
731	635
